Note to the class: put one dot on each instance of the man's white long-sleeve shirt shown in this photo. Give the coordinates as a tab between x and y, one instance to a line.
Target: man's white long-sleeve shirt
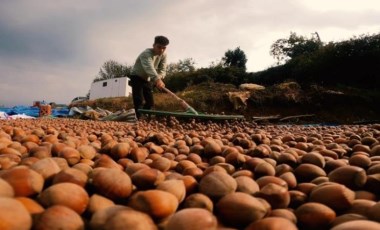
149	66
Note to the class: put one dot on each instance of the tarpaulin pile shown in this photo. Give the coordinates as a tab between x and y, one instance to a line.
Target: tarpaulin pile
74	112
30	112
103	114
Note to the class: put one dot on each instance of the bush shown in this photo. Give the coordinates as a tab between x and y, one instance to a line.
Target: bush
352	63
218	74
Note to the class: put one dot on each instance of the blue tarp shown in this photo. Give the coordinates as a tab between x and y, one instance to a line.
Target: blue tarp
34	111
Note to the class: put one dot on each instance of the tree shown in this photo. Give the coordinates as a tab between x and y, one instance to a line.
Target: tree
217	63
235	58
112	69
285	49
185	65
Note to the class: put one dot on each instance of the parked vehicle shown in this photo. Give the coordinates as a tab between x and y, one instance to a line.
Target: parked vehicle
79	99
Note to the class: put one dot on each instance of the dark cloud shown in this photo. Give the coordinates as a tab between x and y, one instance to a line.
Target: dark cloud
51	33
50	42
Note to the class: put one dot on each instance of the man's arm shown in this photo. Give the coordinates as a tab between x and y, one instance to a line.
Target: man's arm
148	65
161	69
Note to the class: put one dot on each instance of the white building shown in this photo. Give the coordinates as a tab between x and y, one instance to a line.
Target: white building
116	87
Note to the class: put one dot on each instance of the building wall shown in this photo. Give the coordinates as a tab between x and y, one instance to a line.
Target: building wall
116	87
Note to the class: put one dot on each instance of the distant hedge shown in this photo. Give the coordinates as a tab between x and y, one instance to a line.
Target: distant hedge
217	74
354	63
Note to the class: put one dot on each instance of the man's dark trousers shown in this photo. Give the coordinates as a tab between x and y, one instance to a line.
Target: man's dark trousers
142	90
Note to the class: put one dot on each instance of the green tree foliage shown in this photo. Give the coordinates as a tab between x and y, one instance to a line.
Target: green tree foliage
182	66
285	49
231	70
217	74
177	73
112	69
235	58
352	63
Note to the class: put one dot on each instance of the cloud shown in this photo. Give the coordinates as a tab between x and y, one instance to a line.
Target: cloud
53	50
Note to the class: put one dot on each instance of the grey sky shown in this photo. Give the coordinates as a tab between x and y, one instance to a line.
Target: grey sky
52	50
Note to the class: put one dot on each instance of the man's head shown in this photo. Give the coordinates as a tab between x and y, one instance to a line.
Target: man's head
160	43
161	40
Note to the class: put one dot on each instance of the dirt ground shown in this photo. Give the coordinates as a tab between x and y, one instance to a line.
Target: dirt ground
289	103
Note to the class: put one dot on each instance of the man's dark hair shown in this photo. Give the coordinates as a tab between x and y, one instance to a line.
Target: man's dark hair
162	40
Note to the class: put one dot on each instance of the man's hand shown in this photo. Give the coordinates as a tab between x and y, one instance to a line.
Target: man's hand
160	84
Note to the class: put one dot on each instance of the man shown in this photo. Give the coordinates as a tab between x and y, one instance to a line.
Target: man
148	71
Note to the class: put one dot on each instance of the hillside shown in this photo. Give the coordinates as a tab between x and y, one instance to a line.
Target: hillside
282	103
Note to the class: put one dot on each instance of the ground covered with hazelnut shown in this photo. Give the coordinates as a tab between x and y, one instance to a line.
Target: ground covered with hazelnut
168	174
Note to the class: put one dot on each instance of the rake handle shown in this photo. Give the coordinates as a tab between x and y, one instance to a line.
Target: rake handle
182	102
171	93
